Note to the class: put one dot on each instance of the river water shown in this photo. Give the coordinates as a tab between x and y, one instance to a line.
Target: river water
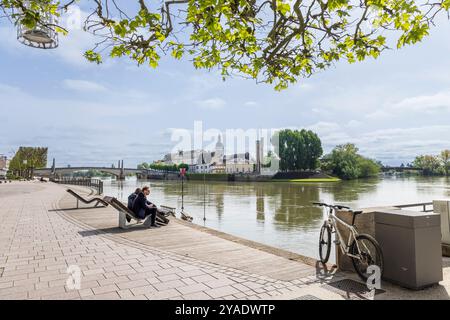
280	214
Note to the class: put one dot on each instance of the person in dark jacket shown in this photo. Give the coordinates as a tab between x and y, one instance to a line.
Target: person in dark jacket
143	208
131	199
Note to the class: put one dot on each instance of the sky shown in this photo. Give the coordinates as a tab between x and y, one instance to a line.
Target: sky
392	108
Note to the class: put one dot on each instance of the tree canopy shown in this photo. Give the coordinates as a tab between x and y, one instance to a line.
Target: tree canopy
163	167
434	164
26	160
272	41
299	150
345	162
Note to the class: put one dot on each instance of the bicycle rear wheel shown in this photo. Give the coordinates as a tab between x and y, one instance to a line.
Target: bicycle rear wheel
325	242
369	253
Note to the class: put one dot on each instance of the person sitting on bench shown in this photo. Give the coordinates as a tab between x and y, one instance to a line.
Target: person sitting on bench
131	199
142	207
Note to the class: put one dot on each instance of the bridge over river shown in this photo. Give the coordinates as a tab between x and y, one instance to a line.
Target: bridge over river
119	173
400	169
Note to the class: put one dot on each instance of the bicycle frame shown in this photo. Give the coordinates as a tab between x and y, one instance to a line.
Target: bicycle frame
353	233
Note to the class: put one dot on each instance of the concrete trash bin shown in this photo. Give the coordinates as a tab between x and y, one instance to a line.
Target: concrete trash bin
443	208
411	245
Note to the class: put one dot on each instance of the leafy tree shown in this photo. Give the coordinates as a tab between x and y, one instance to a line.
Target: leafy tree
163	166
91	173
430	164
299	150
183	165
143	165
274	41
267	160
26	160
368	167
445	158
345	162
433	164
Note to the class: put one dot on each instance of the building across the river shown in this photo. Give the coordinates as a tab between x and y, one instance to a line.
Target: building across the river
202	161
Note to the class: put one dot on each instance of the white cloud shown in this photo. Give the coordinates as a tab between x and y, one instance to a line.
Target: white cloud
7	89
84	86
379	115
72	47
398	145
354	124
390	145
9	41
212	104
305	86
323	127
70	50
251	104
322	112
439	102
66	126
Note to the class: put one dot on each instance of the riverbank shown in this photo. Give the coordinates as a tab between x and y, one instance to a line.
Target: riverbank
301	176
311	180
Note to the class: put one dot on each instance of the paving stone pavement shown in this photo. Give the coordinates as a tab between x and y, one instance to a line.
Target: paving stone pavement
38	245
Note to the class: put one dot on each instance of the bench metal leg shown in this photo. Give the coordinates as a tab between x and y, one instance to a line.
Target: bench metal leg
148	221
122	220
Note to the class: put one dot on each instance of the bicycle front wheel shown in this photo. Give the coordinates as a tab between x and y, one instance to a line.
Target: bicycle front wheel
367	252
325	242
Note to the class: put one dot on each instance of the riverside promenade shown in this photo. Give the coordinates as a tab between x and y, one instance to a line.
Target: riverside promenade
42	235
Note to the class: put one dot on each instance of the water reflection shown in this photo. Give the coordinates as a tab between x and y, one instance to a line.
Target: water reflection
294	205
350	191
281	214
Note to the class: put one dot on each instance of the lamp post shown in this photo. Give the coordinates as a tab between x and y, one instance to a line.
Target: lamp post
42	35
204	198
25	162
182	173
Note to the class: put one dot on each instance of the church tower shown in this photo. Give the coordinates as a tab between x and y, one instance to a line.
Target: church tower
220	149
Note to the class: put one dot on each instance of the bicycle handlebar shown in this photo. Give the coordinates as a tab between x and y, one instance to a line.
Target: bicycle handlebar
322	204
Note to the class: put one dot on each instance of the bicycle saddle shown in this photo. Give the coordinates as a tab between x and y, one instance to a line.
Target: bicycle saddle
357	212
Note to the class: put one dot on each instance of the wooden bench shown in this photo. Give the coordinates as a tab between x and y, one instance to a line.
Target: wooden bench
80	198
124	212
186	217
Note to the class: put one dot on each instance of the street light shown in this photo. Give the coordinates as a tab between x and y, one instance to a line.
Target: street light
42	35
182	173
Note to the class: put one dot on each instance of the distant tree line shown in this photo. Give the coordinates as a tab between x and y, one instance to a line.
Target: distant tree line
345	162
163	167
91	173
27	159
434	164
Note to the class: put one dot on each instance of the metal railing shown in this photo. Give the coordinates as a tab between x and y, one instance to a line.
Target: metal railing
97	184
423	205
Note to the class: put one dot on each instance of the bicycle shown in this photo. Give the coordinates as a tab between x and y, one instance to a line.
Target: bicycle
357	245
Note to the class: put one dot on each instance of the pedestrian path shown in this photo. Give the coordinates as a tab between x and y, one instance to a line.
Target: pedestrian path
45	243
39	242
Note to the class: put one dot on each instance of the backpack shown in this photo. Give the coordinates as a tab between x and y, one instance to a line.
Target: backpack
131	199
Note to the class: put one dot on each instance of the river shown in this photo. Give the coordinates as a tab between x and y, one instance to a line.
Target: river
280	214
